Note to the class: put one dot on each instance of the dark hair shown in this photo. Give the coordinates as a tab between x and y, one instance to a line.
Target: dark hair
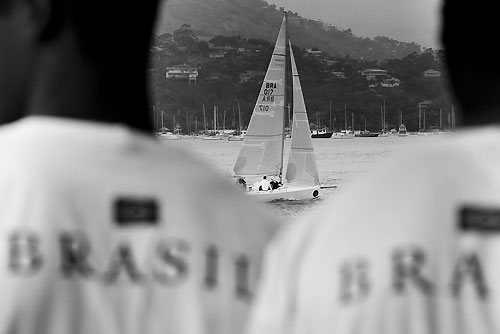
469	32
109	31
5	5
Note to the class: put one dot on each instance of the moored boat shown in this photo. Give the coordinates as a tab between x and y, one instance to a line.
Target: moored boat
321	133
367	134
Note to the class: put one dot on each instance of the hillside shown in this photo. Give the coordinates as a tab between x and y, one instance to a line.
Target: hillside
329	83
258	19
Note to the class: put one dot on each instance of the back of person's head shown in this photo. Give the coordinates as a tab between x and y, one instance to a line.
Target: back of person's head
110	32
92	53
469	34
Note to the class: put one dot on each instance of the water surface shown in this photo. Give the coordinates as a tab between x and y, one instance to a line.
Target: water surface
339	162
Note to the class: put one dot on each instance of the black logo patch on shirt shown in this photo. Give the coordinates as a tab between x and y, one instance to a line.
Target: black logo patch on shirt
480	219
130	211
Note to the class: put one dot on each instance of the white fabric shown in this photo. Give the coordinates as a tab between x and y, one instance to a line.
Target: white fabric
265	184
388	254
68	266
262	149
301	169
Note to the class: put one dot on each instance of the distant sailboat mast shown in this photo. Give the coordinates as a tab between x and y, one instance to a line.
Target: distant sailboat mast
239	116
331	115
204	119
215	119
345	118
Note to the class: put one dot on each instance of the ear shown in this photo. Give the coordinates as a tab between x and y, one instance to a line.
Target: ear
46	17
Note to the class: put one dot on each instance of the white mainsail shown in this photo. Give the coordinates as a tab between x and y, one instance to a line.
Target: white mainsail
301	170
262	151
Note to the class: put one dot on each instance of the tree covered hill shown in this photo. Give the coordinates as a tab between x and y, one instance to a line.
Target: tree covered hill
258	19
219	84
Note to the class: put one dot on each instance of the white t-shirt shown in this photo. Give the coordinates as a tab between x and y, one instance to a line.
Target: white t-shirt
265	184
104	230
413	247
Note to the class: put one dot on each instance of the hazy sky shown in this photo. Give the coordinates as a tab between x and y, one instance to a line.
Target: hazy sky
403	20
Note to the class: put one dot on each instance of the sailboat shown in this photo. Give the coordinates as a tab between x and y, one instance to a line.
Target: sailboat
240	134
214	135
366	133
262	152
345	134
383	132
320	132
402	128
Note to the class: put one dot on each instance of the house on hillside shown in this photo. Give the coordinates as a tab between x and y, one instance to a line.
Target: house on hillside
338	75
390	82
182	72
215	54
430	73
313	53
372	73
248	76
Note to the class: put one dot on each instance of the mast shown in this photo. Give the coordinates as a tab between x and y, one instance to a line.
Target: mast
382	117
385	123
234	118
204	119
287	56
215	119
440	119
224	122
345	118
239	116
419	116
317	122
331	115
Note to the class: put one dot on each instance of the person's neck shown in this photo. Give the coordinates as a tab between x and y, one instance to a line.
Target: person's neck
67	87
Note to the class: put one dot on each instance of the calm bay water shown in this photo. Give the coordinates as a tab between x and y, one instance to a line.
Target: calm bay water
339	162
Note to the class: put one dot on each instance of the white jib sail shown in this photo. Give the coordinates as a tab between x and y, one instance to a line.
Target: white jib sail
262	149
301	169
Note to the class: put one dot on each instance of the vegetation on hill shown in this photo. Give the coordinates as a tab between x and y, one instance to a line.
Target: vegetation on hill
258	19
328	96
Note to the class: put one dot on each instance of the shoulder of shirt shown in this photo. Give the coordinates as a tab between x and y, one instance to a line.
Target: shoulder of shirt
415	164
17	145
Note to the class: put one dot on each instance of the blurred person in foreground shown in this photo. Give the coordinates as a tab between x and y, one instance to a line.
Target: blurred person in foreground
103	229
413	247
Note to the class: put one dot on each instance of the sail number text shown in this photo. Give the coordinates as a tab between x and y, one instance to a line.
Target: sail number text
268	91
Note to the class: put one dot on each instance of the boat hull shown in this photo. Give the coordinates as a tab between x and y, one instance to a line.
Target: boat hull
343	136
322	135
372	134
286	193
